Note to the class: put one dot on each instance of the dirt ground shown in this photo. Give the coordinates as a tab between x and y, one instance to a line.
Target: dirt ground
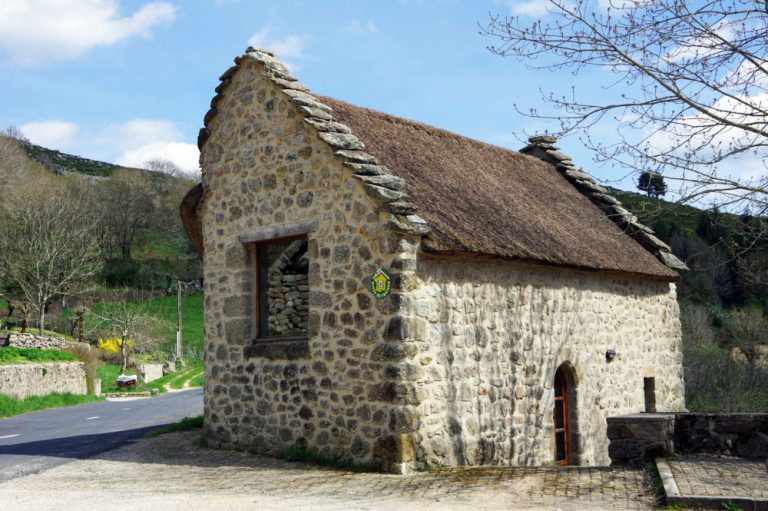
171	472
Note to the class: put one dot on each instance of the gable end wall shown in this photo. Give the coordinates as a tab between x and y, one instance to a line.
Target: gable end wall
264	166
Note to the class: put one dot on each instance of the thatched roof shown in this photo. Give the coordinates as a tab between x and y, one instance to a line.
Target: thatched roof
467	197
482	199
190	219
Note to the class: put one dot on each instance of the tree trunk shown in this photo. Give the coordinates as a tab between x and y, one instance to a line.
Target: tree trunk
123	355
42	319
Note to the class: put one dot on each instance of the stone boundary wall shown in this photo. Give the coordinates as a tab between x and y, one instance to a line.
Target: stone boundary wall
43	341
635	439
20	381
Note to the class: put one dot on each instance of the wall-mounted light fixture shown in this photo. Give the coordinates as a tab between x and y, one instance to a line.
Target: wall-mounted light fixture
610	355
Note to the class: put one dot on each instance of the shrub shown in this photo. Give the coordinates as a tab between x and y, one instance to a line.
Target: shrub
113	344
90	358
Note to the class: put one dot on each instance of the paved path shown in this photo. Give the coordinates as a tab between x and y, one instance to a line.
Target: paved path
37	441
172	473
716	476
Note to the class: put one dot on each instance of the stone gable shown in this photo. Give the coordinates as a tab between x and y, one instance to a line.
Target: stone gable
336	390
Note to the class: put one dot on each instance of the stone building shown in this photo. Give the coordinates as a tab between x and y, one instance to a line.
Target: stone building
387	292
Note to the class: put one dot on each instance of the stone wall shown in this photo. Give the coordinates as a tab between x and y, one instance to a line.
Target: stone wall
23	380
641	437
29	340
334	392
490	336
455	366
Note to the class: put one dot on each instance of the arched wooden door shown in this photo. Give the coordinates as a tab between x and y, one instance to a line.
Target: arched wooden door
562	447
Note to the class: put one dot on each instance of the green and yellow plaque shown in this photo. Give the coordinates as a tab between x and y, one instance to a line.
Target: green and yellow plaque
381	283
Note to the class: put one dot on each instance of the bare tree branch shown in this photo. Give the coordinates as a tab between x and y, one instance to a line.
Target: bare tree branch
690	95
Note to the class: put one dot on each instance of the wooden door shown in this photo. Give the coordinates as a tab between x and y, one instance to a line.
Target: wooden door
562	449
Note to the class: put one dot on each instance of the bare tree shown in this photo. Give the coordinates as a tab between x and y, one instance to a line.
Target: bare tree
688	86
15	133
136	329
168	167
126	205
48	245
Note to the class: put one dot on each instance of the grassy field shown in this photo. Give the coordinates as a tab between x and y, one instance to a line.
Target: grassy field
12	355
10	406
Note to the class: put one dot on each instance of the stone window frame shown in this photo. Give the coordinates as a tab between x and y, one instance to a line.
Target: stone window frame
276	347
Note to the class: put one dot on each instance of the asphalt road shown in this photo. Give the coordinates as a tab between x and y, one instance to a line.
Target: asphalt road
38	441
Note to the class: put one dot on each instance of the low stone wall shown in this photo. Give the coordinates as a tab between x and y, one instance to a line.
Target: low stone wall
29	340
637	438
734	434
23	380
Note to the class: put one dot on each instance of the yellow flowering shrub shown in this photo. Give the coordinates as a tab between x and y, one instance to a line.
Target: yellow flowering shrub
113	344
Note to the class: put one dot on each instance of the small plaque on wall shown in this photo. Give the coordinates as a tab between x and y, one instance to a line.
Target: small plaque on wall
381	283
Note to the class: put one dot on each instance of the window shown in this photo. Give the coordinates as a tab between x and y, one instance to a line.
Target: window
282	288
649	389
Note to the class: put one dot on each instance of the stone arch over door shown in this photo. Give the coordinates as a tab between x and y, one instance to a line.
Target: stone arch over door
565	416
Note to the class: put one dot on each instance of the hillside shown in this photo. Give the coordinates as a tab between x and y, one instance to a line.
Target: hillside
62	163
143	242
727	253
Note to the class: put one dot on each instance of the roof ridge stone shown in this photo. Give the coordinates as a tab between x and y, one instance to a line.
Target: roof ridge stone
378	182
544	148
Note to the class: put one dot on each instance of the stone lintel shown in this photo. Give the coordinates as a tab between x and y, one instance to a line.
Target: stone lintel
284	349
278	231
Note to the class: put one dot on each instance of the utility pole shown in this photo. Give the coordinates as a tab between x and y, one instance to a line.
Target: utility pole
178	316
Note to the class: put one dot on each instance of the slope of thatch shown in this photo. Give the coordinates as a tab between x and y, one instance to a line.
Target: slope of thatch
482	199
190	219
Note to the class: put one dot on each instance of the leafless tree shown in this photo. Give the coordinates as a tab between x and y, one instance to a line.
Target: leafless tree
15	133
687	87
48	246
126	205
167	167
131	322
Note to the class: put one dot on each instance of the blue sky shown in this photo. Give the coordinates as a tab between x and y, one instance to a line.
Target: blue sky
127	81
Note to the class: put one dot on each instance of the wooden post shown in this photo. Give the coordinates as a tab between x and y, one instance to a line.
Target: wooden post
178	315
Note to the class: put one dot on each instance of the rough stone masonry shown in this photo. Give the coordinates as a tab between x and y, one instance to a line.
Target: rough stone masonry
454	367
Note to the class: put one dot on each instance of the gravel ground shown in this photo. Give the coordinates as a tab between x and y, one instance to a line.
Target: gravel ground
171	472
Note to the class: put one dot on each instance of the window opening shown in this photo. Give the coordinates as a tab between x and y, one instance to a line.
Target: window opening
282	288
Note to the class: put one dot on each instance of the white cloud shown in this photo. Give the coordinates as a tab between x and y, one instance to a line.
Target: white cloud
53	134
288	49
359	27
184	155
138	132
533	8
142	140
34	32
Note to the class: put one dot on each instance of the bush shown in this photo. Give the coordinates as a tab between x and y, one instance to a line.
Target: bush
90	357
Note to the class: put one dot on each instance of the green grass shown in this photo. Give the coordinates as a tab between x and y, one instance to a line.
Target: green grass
109	372
197	381
13	355
185	424
10	406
